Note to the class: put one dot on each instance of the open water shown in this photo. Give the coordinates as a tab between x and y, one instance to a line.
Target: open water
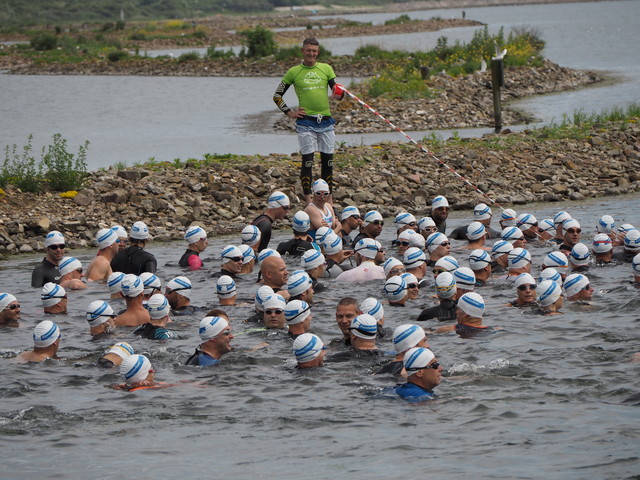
542	398
130	119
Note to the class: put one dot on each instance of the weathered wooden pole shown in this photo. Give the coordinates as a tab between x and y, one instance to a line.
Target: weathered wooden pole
497	80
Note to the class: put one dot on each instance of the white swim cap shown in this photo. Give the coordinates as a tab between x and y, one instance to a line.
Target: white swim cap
501	247
320	185
580	255
465	278
413	257
508	217
296	311
68	265
275	301
560	217
632	240
230	252
114	282
262	294
298	283
390	263
446	285
511	234
425	222
372	307
211	327
226	287
479	259
372	216
526	221
519	258
416	359
150	282
311	259
625	227
546	225
301	222
574	283
248	253
570	223
307	347
448	262
439	201
404	218
135	368
395	288
364	326
121	349
475	230
368	247
45	334
106	237
548	292
409	278
557	260
349	211
139	231
158	306
120	231
332	244
251	235
605	224
266	253
181	285
52	294
635	264
482	212
277	200
194	234
99	312
5	300
435	240
524	279
602	243
131	286
472	304
550	274
54	237
407	336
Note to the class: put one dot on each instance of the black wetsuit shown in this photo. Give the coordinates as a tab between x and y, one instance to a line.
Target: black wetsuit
359	237
394	368
442	226
184	260
346	240
224	271
444	312
460	233
263	222
354	354
135	260
469	331
45	272
153	332
294	247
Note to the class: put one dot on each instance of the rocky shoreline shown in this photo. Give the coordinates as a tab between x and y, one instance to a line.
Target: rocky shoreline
512	168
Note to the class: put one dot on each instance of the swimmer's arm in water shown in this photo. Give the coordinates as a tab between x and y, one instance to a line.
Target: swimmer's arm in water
445	329
258	347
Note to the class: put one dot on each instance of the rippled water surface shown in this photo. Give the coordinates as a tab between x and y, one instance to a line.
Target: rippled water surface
543	398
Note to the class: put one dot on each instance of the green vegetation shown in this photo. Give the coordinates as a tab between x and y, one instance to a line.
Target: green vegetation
404	18
403	79
57	168
259	42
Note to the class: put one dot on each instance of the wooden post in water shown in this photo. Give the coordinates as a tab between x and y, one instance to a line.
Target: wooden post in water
497	80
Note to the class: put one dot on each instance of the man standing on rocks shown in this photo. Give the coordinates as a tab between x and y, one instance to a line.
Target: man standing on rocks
47	270
314	124
134	259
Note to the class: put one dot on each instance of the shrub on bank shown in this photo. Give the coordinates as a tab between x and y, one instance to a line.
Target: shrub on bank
57	167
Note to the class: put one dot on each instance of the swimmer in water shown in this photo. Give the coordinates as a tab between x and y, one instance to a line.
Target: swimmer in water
415	262
108	245
46	341
469	312
300	287
396	291
301	241
525	290
156	328
54	299
405	337
424	373
550	297
132	290
9	310
465	281
309	351
226	290
577	288
346	310
71	274
298	316
138	374
101	319
374	308
274	307
602	248
480	264
47	270
197	242
178	293
446	291
151	283
314	263
115	355
216	335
